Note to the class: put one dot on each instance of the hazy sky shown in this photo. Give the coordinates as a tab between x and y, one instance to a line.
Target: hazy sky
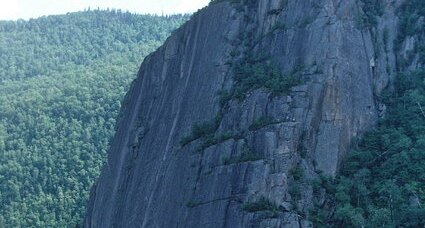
25	9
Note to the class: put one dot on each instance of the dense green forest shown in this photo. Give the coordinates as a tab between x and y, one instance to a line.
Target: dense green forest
61	82
382	182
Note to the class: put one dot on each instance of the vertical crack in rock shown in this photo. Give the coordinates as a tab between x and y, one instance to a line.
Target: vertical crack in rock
276	90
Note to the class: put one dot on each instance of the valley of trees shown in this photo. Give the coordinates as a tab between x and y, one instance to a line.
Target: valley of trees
61	82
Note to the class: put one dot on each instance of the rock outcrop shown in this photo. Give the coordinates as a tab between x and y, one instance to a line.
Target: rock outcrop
267	149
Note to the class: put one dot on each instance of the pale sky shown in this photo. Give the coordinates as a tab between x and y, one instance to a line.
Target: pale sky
25	9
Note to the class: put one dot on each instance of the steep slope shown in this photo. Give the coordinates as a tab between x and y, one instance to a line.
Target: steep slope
382	181
233	118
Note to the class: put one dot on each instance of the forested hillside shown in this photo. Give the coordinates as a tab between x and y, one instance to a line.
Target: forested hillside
382	182
61	82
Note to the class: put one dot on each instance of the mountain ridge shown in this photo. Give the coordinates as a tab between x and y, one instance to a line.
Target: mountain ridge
244	107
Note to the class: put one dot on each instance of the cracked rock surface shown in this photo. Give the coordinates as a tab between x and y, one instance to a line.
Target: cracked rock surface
150	180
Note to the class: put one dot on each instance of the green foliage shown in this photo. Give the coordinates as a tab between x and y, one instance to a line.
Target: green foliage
351	217
214	139
263	204
372	9
319	218
297	173
205	130
382	183
251	71
295	192
410	14
224	98
61	82
247	77
247	155
261	122
48	44
251	75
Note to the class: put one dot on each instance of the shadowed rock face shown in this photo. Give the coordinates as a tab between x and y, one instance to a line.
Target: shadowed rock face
150	180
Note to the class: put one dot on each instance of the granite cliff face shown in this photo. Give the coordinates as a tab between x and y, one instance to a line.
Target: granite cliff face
266	149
